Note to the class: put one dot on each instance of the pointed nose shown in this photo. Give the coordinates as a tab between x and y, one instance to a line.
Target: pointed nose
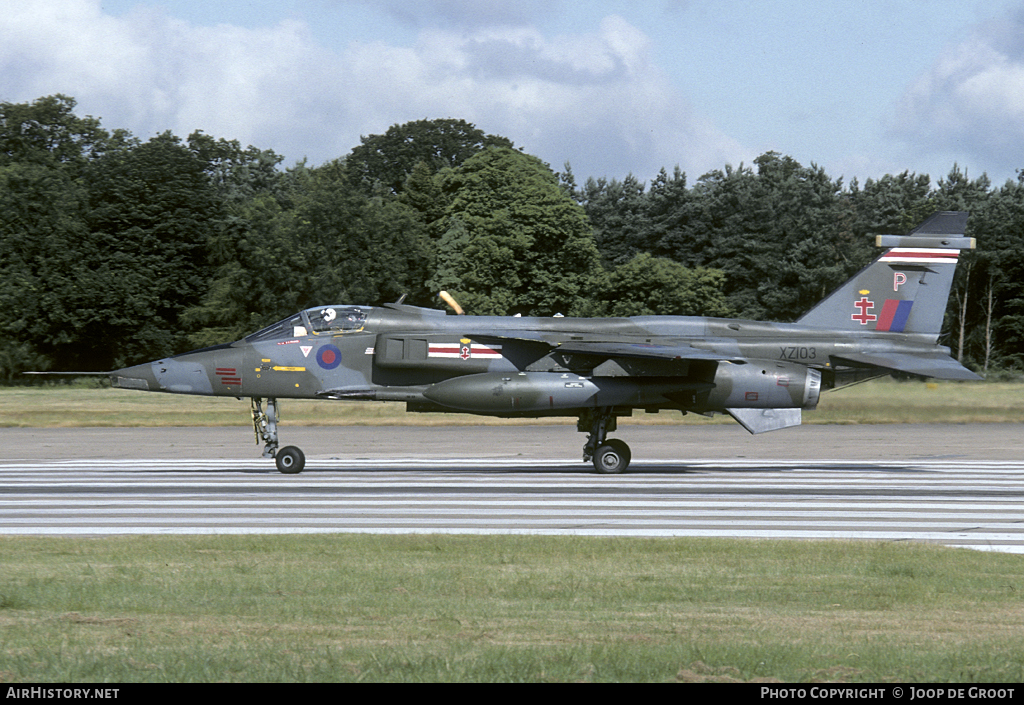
138	377
181	375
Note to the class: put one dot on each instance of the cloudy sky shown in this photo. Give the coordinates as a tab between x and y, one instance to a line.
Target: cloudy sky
613	87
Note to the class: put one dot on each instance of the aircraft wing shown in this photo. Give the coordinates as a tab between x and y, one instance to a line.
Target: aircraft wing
640	350
938	366
523	350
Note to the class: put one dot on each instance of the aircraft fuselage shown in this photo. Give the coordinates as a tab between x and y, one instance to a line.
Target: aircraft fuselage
401	353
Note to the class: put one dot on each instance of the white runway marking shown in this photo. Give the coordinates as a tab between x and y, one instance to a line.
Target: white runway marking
957	503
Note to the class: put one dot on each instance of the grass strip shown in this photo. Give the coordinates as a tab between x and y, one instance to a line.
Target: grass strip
879	401
505	608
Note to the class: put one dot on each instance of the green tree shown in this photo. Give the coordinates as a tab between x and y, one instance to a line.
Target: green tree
45	155
957	192
671	212
47	132
42	227
782	235
368	250
618	214
105	240
252	252
238	174
424	194
152	212
990	303
385	161
259	278
892	205
313	239
514	241
648	286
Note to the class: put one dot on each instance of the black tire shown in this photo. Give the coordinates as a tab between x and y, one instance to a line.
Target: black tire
290	460
612	458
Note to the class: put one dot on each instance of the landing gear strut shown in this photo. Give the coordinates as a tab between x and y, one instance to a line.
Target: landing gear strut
289	460
610	456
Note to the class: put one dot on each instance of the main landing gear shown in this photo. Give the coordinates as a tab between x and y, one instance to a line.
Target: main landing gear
290	460
610	456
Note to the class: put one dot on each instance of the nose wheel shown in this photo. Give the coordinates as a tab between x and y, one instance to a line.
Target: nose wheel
289	460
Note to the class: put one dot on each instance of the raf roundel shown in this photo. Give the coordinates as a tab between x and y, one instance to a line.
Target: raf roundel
328	357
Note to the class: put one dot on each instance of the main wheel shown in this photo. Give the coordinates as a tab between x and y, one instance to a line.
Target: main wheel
612	458
290	460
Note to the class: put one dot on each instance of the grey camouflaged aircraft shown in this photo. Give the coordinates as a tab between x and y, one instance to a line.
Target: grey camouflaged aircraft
886	319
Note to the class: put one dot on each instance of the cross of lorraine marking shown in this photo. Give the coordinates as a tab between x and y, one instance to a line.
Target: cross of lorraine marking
864	305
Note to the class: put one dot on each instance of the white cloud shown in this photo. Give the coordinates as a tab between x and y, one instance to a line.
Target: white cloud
464	13
971	102
596	99
149	72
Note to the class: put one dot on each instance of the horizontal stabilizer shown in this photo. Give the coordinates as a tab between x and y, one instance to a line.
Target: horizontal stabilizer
937	366
943	231
763	420
925	242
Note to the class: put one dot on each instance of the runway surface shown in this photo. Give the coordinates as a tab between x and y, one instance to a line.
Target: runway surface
954	485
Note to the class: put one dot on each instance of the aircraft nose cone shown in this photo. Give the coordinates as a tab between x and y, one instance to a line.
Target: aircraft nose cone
136	377
178	375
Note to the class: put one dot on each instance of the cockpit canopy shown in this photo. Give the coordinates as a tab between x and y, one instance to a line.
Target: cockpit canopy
320	320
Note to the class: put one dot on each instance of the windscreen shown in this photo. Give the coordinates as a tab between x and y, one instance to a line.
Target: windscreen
336	319
291	327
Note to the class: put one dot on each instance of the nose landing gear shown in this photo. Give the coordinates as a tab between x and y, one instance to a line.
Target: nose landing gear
289	460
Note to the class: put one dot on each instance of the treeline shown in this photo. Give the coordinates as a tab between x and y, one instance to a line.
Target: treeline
115	250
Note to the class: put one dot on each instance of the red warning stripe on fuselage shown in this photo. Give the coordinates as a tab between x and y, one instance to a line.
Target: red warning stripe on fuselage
229	376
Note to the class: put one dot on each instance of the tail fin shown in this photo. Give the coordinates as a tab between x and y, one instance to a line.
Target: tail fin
906	289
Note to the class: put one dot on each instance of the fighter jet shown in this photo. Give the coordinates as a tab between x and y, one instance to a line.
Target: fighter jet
884	320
